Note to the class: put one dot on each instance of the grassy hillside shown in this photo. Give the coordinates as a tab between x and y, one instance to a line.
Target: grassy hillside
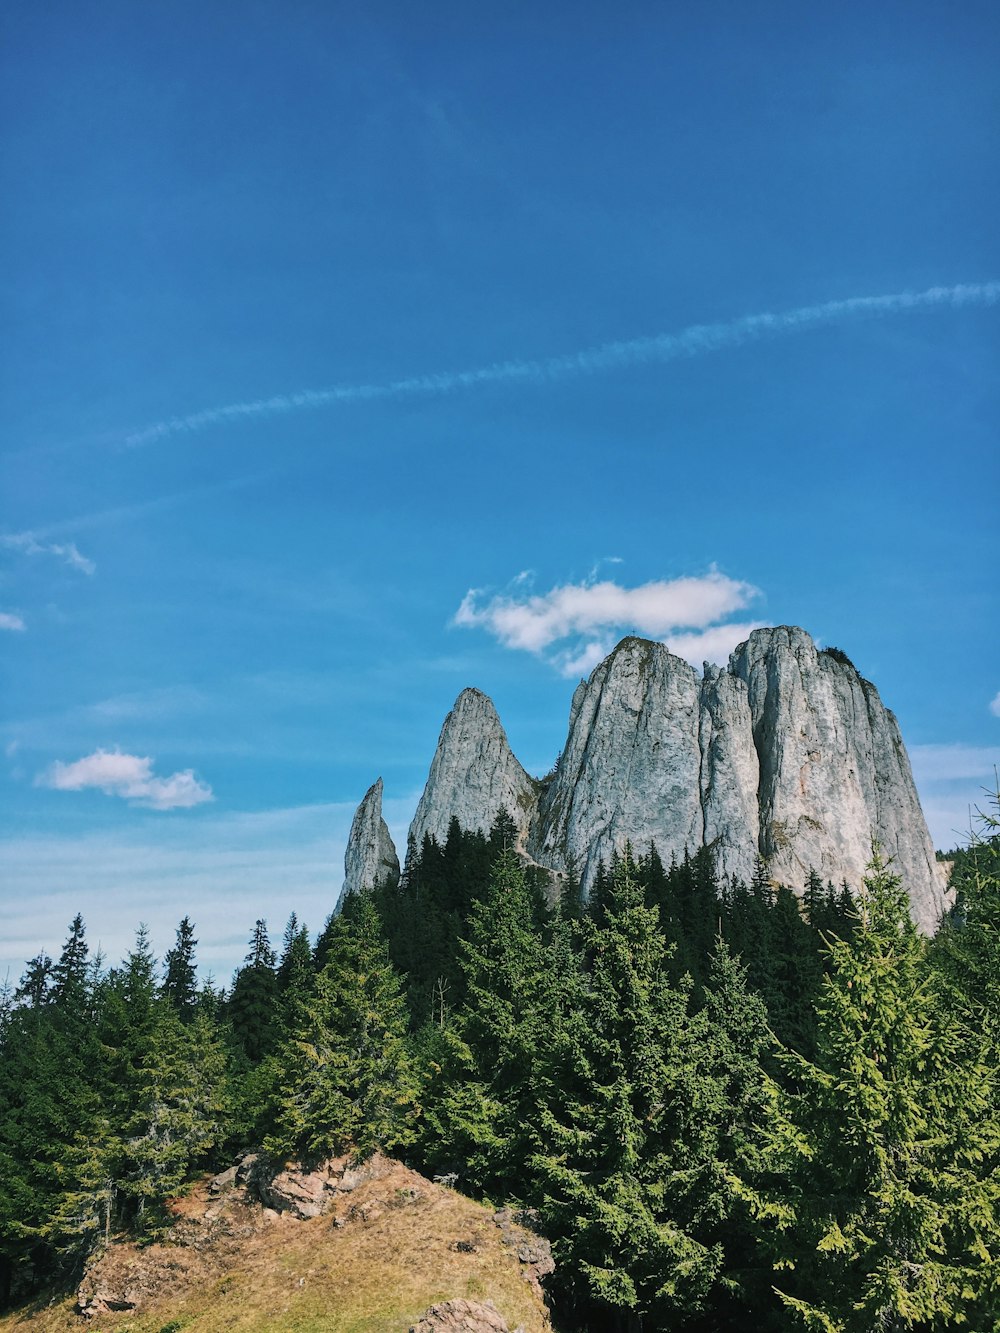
374	1264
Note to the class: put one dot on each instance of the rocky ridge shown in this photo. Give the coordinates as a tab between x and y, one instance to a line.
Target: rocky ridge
787	753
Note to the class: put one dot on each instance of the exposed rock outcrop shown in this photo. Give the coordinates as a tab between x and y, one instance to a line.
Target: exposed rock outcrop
371	857
473	776
242	1241
730	773
787	753
462	1316
833	770
630	770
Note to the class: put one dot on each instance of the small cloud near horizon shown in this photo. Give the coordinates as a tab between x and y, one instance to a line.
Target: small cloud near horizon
129	776
995	705
688	614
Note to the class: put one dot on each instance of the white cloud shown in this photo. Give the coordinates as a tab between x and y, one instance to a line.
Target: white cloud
586	617
28	544
713	644
581	662
995	705
131	777
10	621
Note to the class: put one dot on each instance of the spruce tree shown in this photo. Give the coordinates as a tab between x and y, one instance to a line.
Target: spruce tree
883	1201
618	1135
252	1001
180	978
481	1087
347	1081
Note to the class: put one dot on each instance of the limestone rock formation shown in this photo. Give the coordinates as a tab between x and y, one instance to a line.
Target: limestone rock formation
630	770
730	773
787	753
473	776
371	856
833	770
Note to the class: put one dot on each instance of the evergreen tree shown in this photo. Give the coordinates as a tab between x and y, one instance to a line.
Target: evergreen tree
175	1114
347	1079
252	1001
482	1092
724	1135
49	1107
883	1198
619	1134
794	974
180	979
296	976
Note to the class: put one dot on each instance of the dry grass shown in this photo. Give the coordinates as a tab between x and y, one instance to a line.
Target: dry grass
393	1255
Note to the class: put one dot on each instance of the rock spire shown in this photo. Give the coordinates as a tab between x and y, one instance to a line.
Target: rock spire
371	856
787	753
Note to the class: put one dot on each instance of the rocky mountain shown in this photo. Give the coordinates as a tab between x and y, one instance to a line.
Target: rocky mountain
473	776
787	754
371	854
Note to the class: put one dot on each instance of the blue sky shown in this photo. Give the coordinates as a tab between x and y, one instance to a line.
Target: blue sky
226	606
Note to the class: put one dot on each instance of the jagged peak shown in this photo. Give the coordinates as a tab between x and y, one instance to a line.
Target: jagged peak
472	699
370	857
474	774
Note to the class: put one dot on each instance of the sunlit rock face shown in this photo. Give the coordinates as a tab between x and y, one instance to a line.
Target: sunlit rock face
786	754
473	776
631	768
371	856
834	773
730	773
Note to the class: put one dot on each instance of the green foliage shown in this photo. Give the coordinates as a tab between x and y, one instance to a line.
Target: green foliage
180	981
838	655
251	1003
882	1198
346	1076
481	1113
611	1149
707	1091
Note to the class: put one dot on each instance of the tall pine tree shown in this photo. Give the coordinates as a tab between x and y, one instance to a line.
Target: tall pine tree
883	1198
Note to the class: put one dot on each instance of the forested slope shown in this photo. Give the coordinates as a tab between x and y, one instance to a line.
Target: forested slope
722	1106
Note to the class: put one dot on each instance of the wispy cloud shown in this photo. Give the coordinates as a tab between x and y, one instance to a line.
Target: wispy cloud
28	544
228	869
8	620
585	618
951	762
130	776
695	340
995	706
954	782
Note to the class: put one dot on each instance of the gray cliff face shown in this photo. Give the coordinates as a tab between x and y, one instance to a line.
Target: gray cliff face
730	774
371	857
473	776
630	771
833	770
787	753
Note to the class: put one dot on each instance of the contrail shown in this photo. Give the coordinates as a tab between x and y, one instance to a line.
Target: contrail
696	340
